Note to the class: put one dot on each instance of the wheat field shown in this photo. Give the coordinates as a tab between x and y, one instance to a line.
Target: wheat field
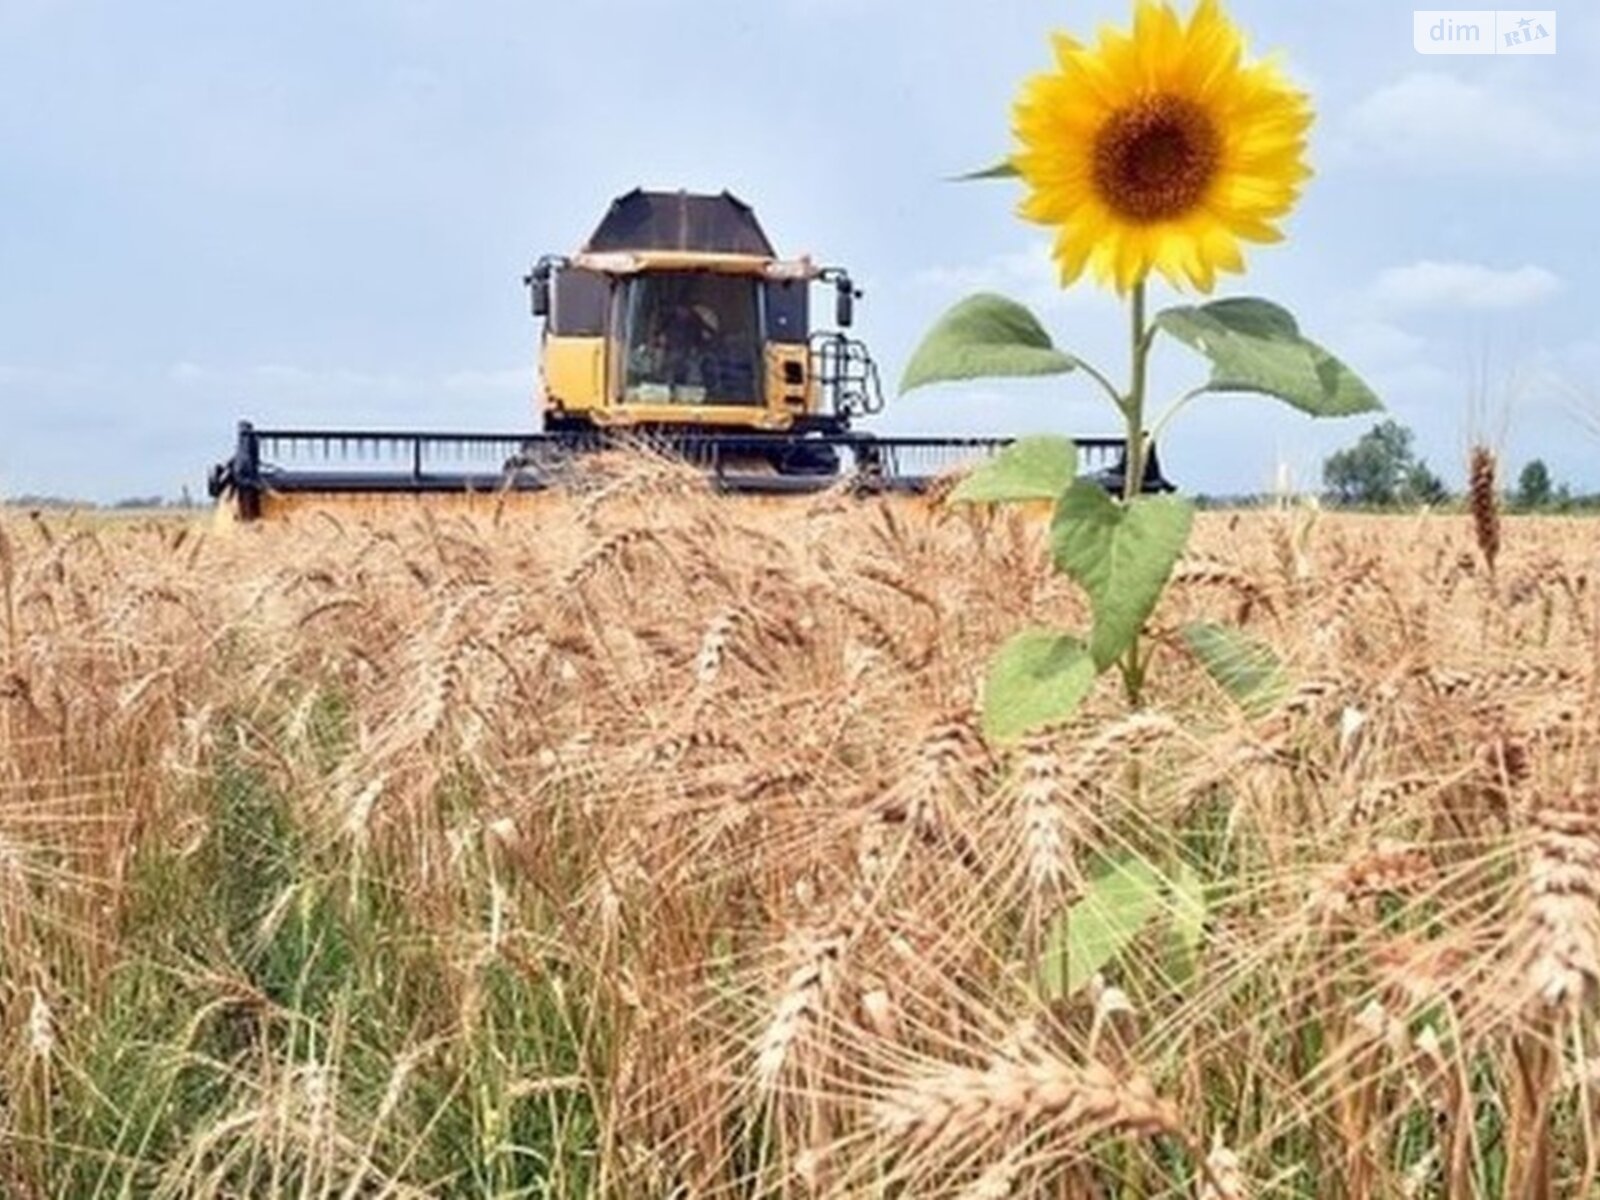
650	847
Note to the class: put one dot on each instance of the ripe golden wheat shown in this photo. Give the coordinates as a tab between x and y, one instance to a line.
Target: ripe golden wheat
650	846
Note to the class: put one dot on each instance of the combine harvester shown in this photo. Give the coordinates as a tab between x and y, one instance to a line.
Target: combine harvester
676	328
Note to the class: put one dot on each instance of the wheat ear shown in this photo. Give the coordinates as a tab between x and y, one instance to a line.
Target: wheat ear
1481	473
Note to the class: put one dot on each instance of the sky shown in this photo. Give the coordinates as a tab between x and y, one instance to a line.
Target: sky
311	213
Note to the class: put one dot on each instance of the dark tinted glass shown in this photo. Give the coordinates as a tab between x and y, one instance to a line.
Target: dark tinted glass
788	315
580	303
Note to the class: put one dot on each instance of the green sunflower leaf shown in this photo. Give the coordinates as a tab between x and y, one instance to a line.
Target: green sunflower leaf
1121	555
984	336
1243	667
1004	169
1256	346
1087	937
1031	468
1038	678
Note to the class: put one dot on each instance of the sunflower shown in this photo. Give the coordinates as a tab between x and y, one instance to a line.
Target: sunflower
1160	149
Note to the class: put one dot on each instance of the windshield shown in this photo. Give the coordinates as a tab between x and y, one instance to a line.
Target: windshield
691	338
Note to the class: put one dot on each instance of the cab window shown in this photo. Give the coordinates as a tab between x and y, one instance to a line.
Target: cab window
691	338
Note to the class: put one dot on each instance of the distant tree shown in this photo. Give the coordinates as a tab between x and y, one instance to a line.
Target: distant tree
1376	469
30	501
1534	489
1382	470
1422	486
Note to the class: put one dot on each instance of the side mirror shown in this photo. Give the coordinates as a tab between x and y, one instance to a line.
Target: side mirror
539	291
844	309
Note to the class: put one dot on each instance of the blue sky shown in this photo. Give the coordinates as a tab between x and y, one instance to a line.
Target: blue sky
318	213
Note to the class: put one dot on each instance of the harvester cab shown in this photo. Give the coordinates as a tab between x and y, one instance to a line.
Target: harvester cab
678	319
678	327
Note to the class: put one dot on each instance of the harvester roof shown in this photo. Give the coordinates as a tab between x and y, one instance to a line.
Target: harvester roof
680	221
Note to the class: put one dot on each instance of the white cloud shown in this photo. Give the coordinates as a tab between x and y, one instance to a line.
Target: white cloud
1463	285
1419	381
276	394
1374	344
1030	276
1430	120
280	380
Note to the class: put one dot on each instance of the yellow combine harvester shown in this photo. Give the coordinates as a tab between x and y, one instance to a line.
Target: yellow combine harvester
677	327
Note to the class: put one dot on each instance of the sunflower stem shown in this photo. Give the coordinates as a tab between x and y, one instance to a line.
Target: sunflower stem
1133	403
1133	665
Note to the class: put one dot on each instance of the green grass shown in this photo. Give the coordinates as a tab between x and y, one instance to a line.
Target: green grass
278	1025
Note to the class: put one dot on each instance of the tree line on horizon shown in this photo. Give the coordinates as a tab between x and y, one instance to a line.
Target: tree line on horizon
1382	470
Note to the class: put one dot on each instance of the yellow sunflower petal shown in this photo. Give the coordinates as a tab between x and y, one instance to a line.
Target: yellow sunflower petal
1065	44
1158	43
1072	255
1213	60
